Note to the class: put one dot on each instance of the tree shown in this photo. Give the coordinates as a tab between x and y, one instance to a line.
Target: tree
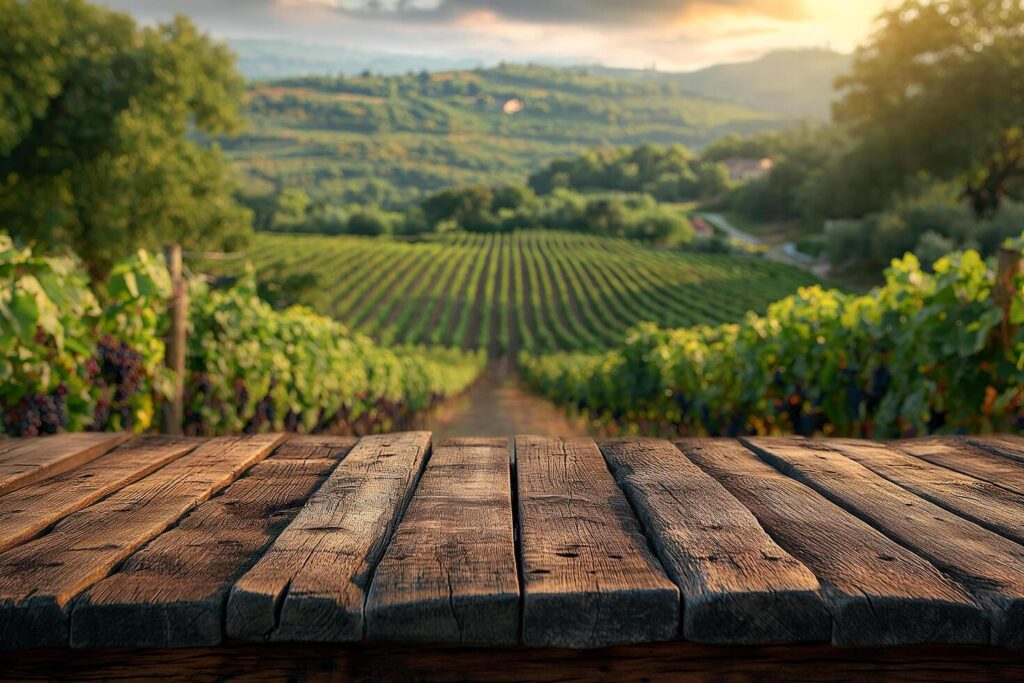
938	90
469	207
292	206
104	128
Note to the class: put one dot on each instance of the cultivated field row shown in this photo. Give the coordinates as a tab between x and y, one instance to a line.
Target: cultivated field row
534	291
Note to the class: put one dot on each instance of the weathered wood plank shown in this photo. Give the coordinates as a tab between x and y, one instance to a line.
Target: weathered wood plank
311	584
984	503
30	510
738	585
880	593
450	574
648	663
172	593
39	579
315	447
961	456
590	578
31	460
1008	446
8	442
988	565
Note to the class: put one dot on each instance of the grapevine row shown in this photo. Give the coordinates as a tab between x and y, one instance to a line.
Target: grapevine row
926	353
536	291
76	365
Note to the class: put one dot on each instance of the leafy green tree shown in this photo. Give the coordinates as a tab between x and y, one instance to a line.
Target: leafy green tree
103	129
372	221
469	207
744	147
939	90
292	205
712	179
670	173
511	197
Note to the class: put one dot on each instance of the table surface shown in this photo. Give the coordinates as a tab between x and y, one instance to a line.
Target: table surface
108	541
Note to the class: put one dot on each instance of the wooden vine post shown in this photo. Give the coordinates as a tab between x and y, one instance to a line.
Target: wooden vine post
177	309
1009	265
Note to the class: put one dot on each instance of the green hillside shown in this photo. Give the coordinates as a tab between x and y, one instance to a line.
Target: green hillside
794	84
388	139
536	291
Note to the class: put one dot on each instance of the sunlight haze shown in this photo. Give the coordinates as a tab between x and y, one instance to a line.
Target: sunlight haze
668	35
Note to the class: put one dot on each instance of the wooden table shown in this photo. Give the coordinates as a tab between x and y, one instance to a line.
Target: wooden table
388	558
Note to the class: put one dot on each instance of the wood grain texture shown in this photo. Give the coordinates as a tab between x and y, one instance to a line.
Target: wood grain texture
39	579
172	593
32	460
960	455
1007	446
589	577
649	663
982	502
31	509
988	565
311	584
738	585
450	574
315	447
9	442
879	593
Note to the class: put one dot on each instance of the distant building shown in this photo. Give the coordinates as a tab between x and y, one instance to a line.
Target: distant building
747	169
512	106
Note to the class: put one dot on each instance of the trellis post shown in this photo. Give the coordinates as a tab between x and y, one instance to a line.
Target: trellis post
177	310
1009	266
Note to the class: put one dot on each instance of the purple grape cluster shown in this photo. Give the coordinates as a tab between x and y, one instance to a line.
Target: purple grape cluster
197	393
118	372
37	414
266	413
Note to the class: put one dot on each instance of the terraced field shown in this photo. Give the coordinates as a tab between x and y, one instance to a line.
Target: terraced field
534	291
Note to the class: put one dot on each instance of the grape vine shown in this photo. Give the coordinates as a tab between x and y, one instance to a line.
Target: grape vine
75	360
920	355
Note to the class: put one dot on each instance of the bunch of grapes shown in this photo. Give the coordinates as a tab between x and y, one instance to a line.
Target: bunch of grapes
118	372
292	420
101	414
122	367
241	396
266	413
793	407
37	414
197	394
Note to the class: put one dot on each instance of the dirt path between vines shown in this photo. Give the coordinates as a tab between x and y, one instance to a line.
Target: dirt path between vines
498	406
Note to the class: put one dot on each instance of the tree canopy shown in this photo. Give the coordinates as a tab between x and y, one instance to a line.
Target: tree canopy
670	174
938	90
104	130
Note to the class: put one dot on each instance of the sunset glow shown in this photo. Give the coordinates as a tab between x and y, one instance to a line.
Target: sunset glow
668	34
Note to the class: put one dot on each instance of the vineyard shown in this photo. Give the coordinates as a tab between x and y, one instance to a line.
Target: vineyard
389	140
530	291
929	352
77	356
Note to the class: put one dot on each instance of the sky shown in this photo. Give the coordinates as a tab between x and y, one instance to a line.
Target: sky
666	34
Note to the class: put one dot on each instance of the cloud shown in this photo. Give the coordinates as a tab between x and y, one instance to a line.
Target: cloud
674	34
577	12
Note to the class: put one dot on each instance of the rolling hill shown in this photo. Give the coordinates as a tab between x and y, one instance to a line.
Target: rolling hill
389	139
791	83
794	83
267	59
